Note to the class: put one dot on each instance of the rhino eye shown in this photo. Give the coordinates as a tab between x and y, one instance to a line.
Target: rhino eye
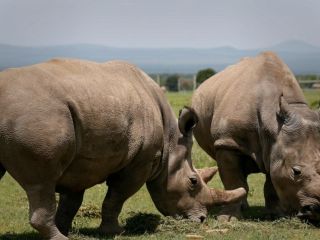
296	170
193	180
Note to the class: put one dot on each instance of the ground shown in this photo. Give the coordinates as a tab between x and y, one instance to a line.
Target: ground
143	221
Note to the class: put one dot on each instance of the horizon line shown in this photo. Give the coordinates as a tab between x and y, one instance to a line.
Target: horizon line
159	47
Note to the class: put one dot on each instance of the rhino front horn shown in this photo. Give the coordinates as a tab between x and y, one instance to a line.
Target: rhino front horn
221	197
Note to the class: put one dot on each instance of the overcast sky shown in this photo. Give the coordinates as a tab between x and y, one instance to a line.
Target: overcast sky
155	23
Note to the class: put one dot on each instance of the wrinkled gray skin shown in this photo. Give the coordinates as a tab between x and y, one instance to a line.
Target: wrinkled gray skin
253	118
66	125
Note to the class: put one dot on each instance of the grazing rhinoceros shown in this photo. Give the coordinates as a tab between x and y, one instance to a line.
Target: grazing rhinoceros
253	118
66	125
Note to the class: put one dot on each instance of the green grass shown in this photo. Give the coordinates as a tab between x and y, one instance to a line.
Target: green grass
143	221
313	97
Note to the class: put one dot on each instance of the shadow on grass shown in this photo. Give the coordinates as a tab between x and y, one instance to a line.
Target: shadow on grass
252	213
258	212
136	224
141	223
19	236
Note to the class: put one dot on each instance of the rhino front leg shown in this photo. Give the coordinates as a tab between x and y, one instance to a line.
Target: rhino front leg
111	209
272	201
69	204
2	171
232	176
42	209
121	186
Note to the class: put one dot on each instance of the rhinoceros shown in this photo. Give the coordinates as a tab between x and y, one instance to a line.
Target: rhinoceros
253	117
66	125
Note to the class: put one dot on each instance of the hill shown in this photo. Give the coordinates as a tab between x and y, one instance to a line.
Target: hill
301	57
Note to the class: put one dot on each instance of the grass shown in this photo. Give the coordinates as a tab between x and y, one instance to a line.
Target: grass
313	98
143	221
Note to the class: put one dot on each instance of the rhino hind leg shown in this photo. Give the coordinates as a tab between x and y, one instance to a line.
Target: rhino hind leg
272	201
42	209
233	176
69	204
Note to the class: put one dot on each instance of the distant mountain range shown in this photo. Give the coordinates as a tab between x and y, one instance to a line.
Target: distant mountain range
301	57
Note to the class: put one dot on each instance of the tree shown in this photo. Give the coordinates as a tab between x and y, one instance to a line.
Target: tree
172	83
204	74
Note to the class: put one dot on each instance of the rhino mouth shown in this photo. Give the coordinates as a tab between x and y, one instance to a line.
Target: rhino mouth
198	217
310	214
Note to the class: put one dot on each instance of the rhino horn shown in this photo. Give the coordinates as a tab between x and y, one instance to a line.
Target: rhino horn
207	173
222	197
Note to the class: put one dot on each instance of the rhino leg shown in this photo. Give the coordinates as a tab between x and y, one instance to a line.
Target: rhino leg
69	204
111	209
121	186
272	201
233	176
42	209
2	171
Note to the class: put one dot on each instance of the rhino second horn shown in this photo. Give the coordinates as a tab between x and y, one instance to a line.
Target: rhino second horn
222	197
207	173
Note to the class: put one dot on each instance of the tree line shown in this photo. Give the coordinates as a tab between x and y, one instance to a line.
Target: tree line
177	82
189	82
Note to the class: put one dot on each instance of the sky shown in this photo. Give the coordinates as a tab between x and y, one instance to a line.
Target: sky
244	24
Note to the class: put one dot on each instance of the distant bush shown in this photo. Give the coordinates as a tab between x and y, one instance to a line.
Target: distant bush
308	77
204	74
172	83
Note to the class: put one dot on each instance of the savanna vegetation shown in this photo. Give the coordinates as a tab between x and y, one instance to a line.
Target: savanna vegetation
143	221
204	74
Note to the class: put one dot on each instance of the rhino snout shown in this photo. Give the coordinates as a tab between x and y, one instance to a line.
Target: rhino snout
310	213
199	219
198	214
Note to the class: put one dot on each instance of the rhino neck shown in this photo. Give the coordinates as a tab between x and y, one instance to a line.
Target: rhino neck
158	184
170	143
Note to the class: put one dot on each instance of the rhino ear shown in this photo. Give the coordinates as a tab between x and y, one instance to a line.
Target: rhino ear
288	119
284	112
188	119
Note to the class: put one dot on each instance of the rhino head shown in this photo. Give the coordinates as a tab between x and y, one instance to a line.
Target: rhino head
295	160
181	190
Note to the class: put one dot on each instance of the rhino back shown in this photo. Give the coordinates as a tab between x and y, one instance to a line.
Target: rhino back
237	107
83	118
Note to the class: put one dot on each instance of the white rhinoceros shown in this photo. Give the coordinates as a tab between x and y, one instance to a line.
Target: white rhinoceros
66	125
253	117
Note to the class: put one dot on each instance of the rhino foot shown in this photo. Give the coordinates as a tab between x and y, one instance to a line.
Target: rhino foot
274	213
59	237
245	205
227	218
111	229
230	213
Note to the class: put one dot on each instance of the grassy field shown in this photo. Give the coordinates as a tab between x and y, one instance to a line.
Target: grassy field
143	221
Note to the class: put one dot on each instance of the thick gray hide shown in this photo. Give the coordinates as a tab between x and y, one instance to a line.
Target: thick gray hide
66	125
253	118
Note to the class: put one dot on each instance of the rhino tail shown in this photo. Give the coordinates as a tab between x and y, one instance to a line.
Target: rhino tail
77	123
